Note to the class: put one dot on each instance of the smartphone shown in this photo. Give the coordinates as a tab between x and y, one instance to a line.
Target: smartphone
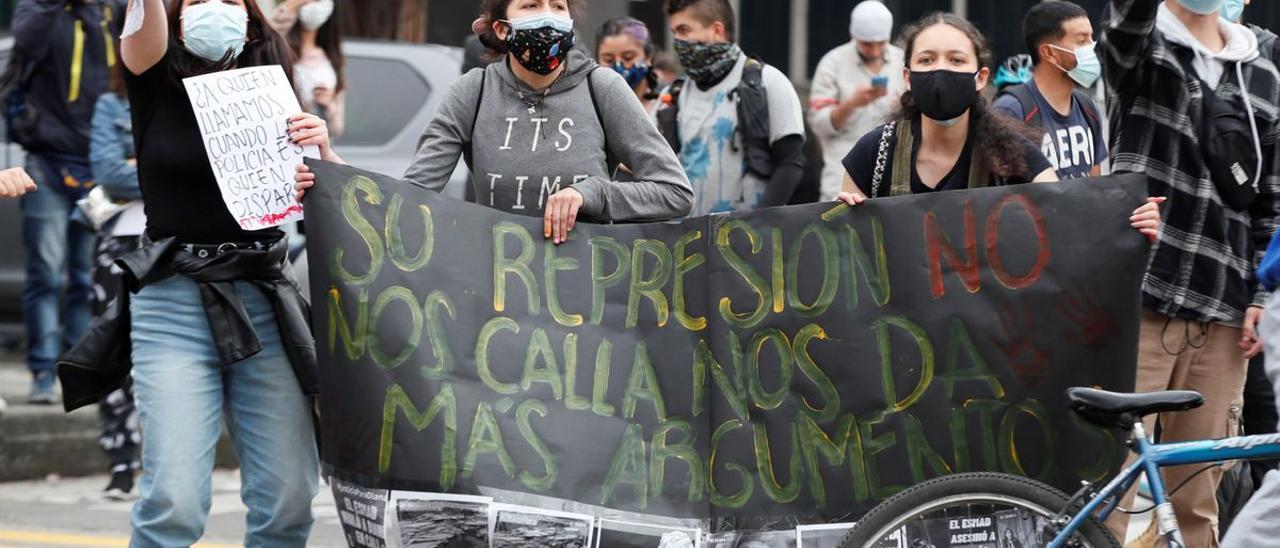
880	81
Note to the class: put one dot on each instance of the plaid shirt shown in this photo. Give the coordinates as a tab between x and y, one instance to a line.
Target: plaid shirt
1202	268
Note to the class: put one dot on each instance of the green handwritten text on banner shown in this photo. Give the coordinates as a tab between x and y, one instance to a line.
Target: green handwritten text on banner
806	361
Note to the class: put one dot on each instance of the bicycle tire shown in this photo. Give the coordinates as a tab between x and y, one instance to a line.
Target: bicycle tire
956	489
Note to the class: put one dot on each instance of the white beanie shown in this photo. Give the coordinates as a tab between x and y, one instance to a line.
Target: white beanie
871	22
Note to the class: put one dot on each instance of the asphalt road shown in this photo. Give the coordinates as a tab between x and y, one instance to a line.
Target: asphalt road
72	512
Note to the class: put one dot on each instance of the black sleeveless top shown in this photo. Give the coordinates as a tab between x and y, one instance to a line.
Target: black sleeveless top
179	191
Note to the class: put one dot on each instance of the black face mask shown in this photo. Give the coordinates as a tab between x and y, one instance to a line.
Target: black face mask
707	63
540	50
943	95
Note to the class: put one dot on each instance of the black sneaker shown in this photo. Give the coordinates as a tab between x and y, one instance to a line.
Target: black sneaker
120	487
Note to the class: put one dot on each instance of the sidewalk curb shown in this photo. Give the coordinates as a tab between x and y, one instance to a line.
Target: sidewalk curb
38	441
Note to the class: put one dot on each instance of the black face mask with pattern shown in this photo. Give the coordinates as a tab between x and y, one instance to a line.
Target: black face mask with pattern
707	63
541	50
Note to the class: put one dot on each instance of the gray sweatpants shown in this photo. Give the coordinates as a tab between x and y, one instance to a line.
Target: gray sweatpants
1259	523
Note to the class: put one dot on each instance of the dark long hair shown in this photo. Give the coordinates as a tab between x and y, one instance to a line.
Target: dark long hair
494	10
998	142
329	38
266	47
636	30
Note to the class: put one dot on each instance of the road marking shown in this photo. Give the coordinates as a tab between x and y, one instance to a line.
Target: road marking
66	539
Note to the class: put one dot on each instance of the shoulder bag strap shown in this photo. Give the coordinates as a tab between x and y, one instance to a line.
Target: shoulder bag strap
902	160
475	117
882	158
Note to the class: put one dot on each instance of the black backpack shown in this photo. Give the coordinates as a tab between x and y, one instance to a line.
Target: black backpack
1031	110
753	117
21	119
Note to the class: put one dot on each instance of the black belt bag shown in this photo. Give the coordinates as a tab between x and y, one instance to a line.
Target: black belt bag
1231	147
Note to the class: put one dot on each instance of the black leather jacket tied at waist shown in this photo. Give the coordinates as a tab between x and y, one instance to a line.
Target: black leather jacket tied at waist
101	362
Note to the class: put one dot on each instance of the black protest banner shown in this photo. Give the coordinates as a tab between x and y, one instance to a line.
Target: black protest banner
806	361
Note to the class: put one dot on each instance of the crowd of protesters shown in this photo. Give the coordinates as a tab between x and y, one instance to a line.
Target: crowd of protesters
721	132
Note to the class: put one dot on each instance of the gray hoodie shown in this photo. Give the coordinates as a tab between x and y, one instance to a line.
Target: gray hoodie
519	159
1241	45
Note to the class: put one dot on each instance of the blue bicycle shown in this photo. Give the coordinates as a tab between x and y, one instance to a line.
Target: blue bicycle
990	509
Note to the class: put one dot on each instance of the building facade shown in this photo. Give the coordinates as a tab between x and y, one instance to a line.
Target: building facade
790	34
794	34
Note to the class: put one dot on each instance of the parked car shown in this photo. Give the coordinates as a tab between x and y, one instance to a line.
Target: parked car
393	90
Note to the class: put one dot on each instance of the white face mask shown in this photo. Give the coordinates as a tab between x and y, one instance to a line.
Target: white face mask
315	14
212	29
1088	67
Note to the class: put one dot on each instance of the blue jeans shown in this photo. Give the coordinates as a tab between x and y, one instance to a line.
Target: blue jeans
182	391
55	299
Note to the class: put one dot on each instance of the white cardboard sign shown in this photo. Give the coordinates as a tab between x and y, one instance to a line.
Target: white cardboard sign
244	117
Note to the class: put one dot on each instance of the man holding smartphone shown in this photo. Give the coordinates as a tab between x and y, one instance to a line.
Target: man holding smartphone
855	87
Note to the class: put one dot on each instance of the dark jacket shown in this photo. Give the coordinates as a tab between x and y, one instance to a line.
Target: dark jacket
44	33
1268	45
102	360
1269	270
1202	268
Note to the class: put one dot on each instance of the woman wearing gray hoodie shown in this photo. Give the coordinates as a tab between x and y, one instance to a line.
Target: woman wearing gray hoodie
544	131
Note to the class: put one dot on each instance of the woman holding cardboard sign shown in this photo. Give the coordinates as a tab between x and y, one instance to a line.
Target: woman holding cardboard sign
545	130
218	324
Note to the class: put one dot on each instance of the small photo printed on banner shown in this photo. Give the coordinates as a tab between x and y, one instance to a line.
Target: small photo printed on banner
621	534
756	539
1010	528
768	539
721	540
1019	528
362	513
524	527
437	520
826	535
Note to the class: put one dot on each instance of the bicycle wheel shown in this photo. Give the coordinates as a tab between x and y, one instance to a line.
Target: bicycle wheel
978	509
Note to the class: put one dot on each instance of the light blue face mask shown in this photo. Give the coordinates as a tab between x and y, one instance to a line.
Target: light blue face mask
1088	66
212	29
542	20
1232	10
1202	7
